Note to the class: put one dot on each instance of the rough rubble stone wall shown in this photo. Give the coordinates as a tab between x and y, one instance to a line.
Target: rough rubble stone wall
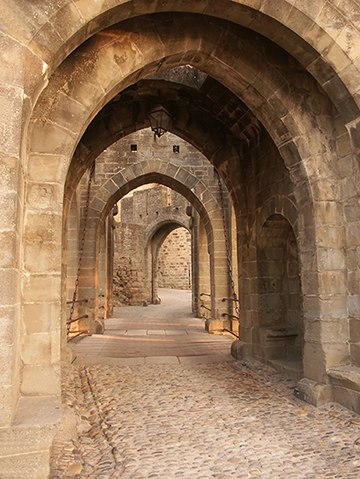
174	261
129	265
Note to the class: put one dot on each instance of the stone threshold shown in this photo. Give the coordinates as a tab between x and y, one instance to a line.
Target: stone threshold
142	360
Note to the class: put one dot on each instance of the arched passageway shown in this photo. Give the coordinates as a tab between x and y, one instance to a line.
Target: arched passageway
269	98
170	261
216	265
146	219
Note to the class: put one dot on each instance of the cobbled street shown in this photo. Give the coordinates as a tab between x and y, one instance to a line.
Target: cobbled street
200	417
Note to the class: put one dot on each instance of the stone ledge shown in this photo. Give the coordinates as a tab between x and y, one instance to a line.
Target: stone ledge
346	376
34	426
345	380
347	397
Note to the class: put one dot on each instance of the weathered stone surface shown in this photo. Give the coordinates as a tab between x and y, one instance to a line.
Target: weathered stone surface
313	393
35	465
37	348
175	261
275	109
41	287
24	447
155	417
40	380
6	404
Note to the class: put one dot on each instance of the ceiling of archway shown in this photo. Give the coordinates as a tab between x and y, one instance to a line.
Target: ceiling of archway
209	106
184	75
204	111
201	107
206	114
222	111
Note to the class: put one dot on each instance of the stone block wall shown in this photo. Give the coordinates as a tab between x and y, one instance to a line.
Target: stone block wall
174	261
272	322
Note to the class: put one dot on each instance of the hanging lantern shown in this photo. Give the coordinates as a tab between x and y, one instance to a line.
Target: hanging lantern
160	120
115	210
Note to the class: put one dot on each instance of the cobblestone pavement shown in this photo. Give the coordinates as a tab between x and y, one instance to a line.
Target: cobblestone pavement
227	420
197	417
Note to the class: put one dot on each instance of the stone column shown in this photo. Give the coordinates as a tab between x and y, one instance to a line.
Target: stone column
109	268
248	306
148	269
88	278
221	278
234	306
11	201
101	267
205	288
72	249
42	284
195	263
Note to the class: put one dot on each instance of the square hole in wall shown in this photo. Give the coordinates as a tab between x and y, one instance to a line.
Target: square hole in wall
133	147
176	148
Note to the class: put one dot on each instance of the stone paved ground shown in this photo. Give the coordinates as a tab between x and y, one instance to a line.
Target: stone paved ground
167	332
199	420
227	420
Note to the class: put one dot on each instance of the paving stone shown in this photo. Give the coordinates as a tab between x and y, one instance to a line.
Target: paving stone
162	360
184	408
156	332
214	420
136	332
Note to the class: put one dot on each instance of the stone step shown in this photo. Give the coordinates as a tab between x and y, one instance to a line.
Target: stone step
25	446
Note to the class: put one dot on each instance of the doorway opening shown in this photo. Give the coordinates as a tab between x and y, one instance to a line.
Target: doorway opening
152	245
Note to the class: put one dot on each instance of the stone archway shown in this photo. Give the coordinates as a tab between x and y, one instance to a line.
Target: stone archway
258	99
197	181
321	37
144	216
156	241
194	191
304	31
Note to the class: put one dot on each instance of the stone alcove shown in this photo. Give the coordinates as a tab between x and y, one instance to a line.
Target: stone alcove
281	325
